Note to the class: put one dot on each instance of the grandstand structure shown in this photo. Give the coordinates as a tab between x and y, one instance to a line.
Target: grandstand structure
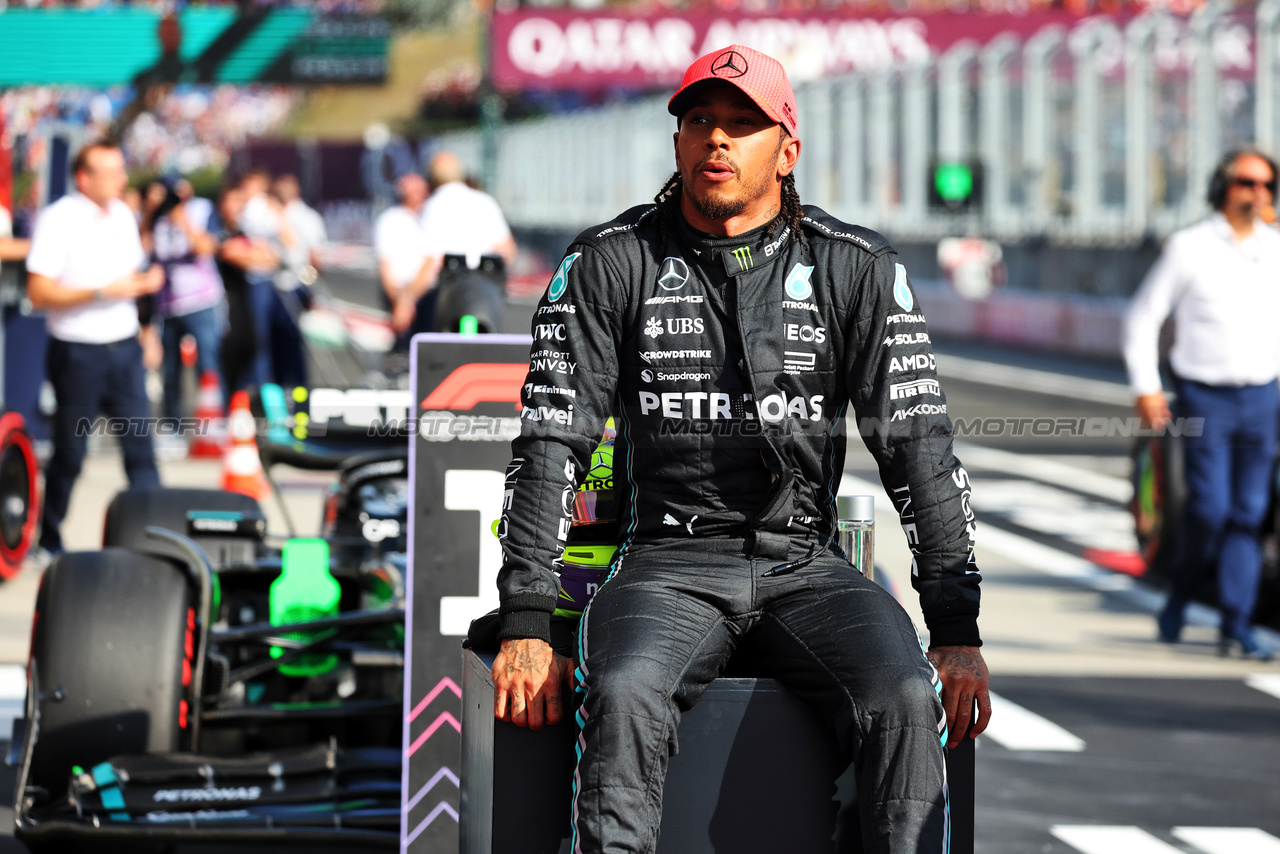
1099	133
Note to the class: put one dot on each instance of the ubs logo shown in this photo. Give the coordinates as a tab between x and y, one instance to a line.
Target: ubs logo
729	64
674	274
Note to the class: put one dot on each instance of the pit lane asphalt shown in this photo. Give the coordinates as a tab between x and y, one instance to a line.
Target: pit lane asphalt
1171	736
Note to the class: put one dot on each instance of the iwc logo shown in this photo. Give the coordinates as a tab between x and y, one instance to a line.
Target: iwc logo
674	274
729	64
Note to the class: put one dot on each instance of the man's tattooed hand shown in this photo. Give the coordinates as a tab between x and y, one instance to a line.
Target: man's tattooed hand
964	681
526	683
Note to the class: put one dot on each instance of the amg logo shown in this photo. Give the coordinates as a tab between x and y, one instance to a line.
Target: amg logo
898	391
675	300
918	362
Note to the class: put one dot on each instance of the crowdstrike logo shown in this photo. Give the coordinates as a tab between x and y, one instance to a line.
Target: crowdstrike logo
674	275
652	356
729	64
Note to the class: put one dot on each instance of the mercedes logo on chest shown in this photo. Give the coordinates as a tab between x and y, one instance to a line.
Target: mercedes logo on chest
675	272
729	64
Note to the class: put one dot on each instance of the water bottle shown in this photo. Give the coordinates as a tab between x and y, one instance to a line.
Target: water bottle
856	530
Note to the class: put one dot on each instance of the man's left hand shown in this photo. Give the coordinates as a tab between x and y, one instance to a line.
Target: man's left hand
964	680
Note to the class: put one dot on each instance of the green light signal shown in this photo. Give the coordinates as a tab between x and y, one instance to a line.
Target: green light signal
953	182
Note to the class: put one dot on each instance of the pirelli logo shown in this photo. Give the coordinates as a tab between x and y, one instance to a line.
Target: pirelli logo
901	391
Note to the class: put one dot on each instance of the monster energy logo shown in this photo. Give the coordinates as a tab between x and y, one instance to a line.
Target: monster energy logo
743	256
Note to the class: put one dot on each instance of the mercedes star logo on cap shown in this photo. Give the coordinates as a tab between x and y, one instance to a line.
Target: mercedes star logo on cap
674	273
729	64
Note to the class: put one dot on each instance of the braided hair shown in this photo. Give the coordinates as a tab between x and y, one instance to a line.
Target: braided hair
790	214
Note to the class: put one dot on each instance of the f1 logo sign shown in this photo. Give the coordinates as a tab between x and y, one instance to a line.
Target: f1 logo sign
478	382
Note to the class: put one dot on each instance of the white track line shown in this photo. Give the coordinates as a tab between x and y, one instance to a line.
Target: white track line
1052	472
1229	840
1111	839
1267	683
1017	728
1030	379
13	692
1060	564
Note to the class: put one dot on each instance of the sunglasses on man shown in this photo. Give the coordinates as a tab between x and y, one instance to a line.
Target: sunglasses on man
1254	184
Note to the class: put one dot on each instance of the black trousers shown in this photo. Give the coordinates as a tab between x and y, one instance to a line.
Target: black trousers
666	623
90	380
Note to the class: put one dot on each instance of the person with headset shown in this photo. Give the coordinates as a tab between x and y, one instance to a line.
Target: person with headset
1220	279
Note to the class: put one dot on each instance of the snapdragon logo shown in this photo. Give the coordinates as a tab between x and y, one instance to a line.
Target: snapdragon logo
560	281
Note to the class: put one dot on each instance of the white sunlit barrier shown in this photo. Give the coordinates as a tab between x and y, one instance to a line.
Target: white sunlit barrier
1104	132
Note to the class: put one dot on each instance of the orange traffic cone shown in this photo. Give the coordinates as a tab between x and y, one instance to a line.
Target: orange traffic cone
241	467
208	443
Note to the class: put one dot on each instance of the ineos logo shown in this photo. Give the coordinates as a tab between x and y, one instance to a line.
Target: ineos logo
729	64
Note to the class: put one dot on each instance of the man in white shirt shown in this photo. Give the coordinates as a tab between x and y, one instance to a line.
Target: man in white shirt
300	264
399	248
1221	281
456	220
84	273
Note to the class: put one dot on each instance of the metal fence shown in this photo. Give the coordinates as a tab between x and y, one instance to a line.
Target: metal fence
1100	134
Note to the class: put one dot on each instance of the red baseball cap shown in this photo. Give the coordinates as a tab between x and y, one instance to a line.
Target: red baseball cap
760	76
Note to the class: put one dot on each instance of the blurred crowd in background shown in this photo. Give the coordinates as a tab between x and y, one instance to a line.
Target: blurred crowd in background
337	7
189	130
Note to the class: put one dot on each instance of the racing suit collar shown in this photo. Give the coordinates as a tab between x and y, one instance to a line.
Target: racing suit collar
738	254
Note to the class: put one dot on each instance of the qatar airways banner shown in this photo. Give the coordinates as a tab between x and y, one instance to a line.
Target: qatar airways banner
583	50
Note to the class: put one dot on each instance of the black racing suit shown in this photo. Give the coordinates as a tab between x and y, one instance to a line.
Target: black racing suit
729	364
